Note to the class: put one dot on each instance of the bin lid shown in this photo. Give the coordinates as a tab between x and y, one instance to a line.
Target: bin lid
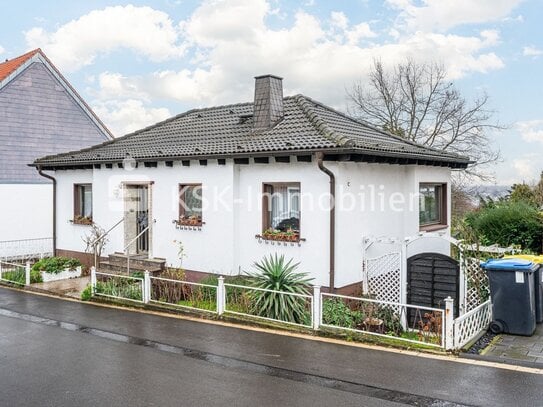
531	257
510	264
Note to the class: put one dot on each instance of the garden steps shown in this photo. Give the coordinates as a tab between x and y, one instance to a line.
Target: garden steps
117	264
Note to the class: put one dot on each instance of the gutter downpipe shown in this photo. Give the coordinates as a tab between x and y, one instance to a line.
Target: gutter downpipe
320	158
40	171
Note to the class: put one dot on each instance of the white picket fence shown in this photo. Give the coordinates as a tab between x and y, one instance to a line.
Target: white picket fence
469	326
15	273
394	320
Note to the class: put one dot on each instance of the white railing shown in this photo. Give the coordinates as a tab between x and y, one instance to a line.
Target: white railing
13	250
126	249
98	241
470	325
260	303
404	322
15	273
176	293
118	286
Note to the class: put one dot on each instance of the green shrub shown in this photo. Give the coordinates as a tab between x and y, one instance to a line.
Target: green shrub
19	276
120	287
86	294
274	273
508	223
55	265
335	312
16	276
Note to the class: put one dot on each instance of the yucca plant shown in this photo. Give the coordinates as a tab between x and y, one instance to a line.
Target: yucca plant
274	273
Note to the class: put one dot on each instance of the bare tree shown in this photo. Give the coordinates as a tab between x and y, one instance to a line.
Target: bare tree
417	102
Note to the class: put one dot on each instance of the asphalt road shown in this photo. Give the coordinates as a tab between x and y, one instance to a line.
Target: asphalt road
58	353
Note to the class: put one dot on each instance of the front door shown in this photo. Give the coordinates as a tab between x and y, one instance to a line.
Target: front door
136	218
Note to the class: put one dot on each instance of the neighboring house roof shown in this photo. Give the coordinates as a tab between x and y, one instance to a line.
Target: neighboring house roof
10	65
10	69
227	132
40	114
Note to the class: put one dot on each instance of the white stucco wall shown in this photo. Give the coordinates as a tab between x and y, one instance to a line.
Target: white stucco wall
26	211
314	223
233	215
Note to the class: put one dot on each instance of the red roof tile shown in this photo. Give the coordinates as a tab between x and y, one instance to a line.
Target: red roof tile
10	66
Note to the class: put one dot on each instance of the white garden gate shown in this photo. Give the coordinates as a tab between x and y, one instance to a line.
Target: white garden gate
385	277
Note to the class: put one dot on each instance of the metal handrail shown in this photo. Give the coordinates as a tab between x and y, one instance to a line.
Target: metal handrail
95	242
127	252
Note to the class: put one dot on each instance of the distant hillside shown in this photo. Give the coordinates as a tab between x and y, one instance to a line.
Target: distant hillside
487	191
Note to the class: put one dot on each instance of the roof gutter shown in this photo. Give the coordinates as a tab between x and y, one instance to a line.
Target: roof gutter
49	177
332	215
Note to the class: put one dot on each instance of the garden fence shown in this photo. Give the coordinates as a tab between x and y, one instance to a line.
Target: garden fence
403	322
26	249
15	273
408	323
119	286
270	305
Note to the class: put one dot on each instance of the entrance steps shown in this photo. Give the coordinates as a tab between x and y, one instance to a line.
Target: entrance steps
117	264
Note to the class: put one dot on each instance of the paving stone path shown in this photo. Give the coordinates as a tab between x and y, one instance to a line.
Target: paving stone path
512	348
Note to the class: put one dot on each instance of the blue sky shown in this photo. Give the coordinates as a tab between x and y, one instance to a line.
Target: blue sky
140	62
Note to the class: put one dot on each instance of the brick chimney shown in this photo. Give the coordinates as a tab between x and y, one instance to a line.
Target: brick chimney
268	108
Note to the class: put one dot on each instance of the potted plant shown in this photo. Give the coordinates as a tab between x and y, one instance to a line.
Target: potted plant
83	220
268	234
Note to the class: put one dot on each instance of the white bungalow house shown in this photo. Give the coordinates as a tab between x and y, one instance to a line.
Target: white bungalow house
40	113
265	172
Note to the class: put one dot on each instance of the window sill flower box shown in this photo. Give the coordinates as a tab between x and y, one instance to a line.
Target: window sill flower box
82	220
272	235
188	223
61	275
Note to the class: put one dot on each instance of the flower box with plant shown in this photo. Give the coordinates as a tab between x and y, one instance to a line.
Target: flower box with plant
273	234
57	268
82	220
192	220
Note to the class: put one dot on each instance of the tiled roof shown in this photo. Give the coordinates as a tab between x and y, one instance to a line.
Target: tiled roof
11	65
227	131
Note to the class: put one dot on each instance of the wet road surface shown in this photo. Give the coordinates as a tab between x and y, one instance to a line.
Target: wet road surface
54	352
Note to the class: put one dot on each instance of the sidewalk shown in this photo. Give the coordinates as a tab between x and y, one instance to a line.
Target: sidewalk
513	349
70	288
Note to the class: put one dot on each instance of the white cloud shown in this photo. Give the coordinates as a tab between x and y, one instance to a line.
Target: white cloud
526	168
318	58
126	116
531	51
441	15
1	49
531	130
77	43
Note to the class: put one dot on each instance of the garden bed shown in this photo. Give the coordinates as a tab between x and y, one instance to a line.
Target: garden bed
61	275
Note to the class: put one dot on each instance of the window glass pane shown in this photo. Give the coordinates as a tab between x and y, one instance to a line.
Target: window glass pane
430	204
87	201
285	208
192	201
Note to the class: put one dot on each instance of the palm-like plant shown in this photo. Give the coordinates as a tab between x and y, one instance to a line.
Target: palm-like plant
274	273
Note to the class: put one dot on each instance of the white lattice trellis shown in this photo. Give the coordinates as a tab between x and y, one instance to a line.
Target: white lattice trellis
477	285
469	325
383	277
